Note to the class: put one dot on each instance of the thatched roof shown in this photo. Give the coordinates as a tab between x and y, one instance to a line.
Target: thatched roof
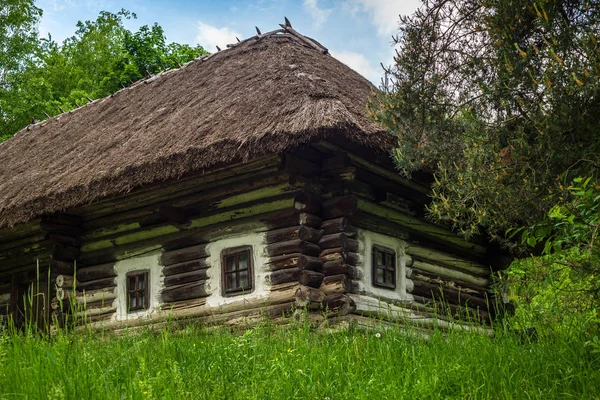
264	95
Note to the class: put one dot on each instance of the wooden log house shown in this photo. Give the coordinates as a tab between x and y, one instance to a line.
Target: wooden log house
245	184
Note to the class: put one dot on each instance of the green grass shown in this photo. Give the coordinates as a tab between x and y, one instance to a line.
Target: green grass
272	362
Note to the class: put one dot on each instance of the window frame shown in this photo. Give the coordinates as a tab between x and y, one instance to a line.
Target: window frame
236	251
375	267
129	291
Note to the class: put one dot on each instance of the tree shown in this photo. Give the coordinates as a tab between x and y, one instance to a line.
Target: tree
101	58
498	99
18	42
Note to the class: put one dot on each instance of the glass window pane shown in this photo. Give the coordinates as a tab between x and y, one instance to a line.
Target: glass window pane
230	283
132	303
389	277
141	281
230	263
389	259
379	277
244	279
379	257
243	260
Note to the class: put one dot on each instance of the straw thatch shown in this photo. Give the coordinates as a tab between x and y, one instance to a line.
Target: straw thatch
264	95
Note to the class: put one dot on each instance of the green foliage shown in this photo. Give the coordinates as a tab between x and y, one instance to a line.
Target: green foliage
270	362
101	58
553	297
560	290
498	99
19	20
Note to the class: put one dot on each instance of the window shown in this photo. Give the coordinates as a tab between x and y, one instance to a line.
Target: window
384	267
137	290
237	270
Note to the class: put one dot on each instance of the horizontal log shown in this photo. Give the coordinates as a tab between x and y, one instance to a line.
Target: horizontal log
301	232
156	193
96	272
184	304
339	253
450	311
452	296
310	220
139	233
340	304
401	204
334	240
184	291
447	260
183	255
476	281
186	277
208	194
420	227
373	307
86	296
376	224
20	242
97	284
283	262
419	275
336	284
4	298
5	287
61	229
243	304
297	260
339	207
338	267
310	278
283	276
309	297
245	319
337	225
65	281
92	312
188	266
293	246
26	258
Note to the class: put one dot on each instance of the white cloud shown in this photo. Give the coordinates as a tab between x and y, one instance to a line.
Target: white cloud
384	13
360	64
319	15
210	36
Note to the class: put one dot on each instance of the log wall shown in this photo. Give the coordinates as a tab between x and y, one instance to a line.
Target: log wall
308	205
444	274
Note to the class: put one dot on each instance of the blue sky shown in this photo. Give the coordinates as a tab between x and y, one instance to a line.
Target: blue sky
357	32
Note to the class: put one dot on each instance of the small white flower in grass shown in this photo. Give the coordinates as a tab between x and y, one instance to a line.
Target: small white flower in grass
378	335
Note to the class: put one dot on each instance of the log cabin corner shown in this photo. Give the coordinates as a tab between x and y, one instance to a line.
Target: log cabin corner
249	182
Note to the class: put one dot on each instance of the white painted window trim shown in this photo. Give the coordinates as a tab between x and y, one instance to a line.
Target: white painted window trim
155	280
367	239
260	288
